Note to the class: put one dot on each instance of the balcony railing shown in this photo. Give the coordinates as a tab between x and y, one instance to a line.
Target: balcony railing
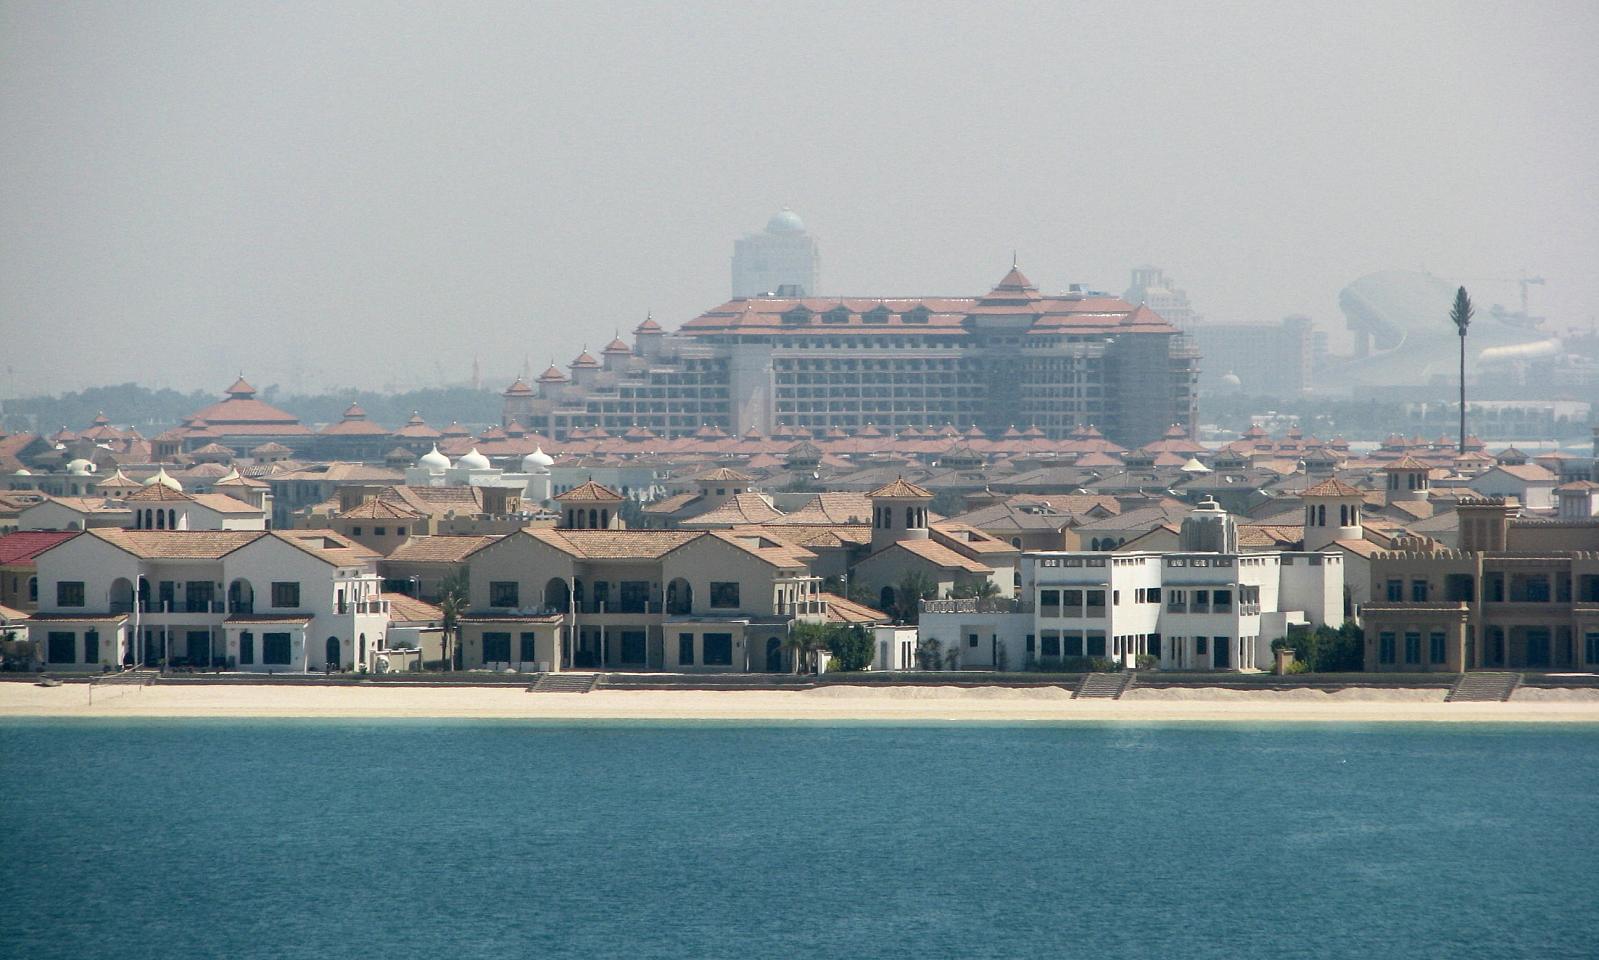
974	605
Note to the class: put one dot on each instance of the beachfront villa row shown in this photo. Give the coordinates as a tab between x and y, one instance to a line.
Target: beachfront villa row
1519	594
253	601
1206	607
675	600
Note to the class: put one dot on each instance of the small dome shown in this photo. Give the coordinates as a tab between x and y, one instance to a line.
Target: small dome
473	461
785	221
434	461
537	461
23	472
1232	379
164	479
80	468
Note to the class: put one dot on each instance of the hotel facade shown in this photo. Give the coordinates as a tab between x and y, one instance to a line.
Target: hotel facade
799	365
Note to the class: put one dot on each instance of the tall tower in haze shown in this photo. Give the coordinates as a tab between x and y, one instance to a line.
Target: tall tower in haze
783	257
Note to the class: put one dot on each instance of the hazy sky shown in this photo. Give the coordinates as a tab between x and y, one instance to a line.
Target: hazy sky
371	194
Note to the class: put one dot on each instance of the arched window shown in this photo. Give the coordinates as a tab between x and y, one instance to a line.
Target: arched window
594	517
160	519
605	519
910	517
172	519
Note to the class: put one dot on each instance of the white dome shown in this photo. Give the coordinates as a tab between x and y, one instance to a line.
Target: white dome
1194	466
23	472
80	468
473	461
162	478
785	221
536	461
434	461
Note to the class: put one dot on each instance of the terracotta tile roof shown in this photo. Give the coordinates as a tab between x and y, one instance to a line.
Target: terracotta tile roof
966	539
377	508
404	609
830	508
1333	487
740	509
725	475
841	610
222	503
613	544
437	549
328	546
176	544
939	555
670	505
518	388
11	615
590	492
1528	472
903	489
268	618
23	545
80	617
765	547
1406	462
155	493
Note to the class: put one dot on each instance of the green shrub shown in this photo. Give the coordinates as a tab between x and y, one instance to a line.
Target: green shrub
1148	661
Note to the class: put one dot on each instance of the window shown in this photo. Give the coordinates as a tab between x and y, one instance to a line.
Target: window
1222	601
380	531
1030	643
1412	646
971	639
504	593
1418	591
1072	644
1591	645
1154	645
1201	601
718	647
197	596
284	594
724	595
1051	644
1201	646
247	648
399	531
1177	601
61	647
1459	587
1385	648
496	647
1096	598
1435	643
1396	591
1153	594
529	647
1096	644
69	593
685	649
91	646
1050	601
275	648
355	531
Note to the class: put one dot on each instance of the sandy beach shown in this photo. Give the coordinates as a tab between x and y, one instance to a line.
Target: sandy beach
840	703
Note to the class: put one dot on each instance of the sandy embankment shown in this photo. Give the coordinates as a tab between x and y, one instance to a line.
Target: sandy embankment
838	703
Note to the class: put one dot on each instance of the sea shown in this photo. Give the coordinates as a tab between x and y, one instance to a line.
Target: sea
389	839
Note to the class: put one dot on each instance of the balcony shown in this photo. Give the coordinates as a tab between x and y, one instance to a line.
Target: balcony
973	605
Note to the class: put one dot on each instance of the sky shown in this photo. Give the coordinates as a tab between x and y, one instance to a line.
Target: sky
354	195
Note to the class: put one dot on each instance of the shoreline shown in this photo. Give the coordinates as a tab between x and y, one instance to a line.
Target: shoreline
839	704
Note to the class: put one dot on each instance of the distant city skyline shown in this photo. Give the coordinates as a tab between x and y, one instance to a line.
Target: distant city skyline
328	200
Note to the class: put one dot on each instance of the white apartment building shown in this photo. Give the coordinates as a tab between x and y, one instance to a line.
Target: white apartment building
1194	609
269	602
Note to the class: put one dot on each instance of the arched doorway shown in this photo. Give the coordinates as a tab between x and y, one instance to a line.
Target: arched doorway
679	597
121	595
774	655
885	600
333	653
241	597
556	595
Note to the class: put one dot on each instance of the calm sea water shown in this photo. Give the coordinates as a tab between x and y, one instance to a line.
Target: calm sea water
178	839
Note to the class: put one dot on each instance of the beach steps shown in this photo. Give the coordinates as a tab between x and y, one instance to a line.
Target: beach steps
1104	686
565	683
1480	686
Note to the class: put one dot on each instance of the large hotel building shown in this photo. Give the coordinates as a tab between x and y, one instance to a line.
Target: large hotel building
772	364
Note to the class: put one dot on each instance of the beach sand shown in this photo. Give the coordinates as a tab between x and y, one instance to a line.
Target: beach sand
837	703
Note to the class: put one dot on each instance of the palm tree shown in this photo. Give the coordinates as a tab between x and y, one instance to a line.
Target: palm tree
453	601
1461	314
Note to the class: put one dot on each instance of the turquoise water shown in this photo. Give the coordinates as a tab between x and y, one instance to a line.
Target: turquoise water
178	839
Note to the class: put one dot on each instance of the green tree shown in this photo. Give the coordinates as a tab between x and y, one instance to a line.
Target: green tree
913	588
454	594
1326	649
804	640
1461	314
851	645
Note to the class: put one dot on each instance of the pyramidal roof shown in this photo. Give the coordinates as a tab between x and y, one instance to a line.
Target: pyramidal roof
588	491
902	489
1333	487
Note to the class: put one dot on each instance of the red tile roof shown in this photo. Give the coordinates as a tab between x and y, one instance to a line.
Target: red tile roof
24	545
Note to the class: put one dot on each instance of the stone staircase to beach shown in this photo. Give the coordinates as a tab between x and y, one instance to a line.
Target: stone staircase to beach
1104	686
1482	686
565	683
